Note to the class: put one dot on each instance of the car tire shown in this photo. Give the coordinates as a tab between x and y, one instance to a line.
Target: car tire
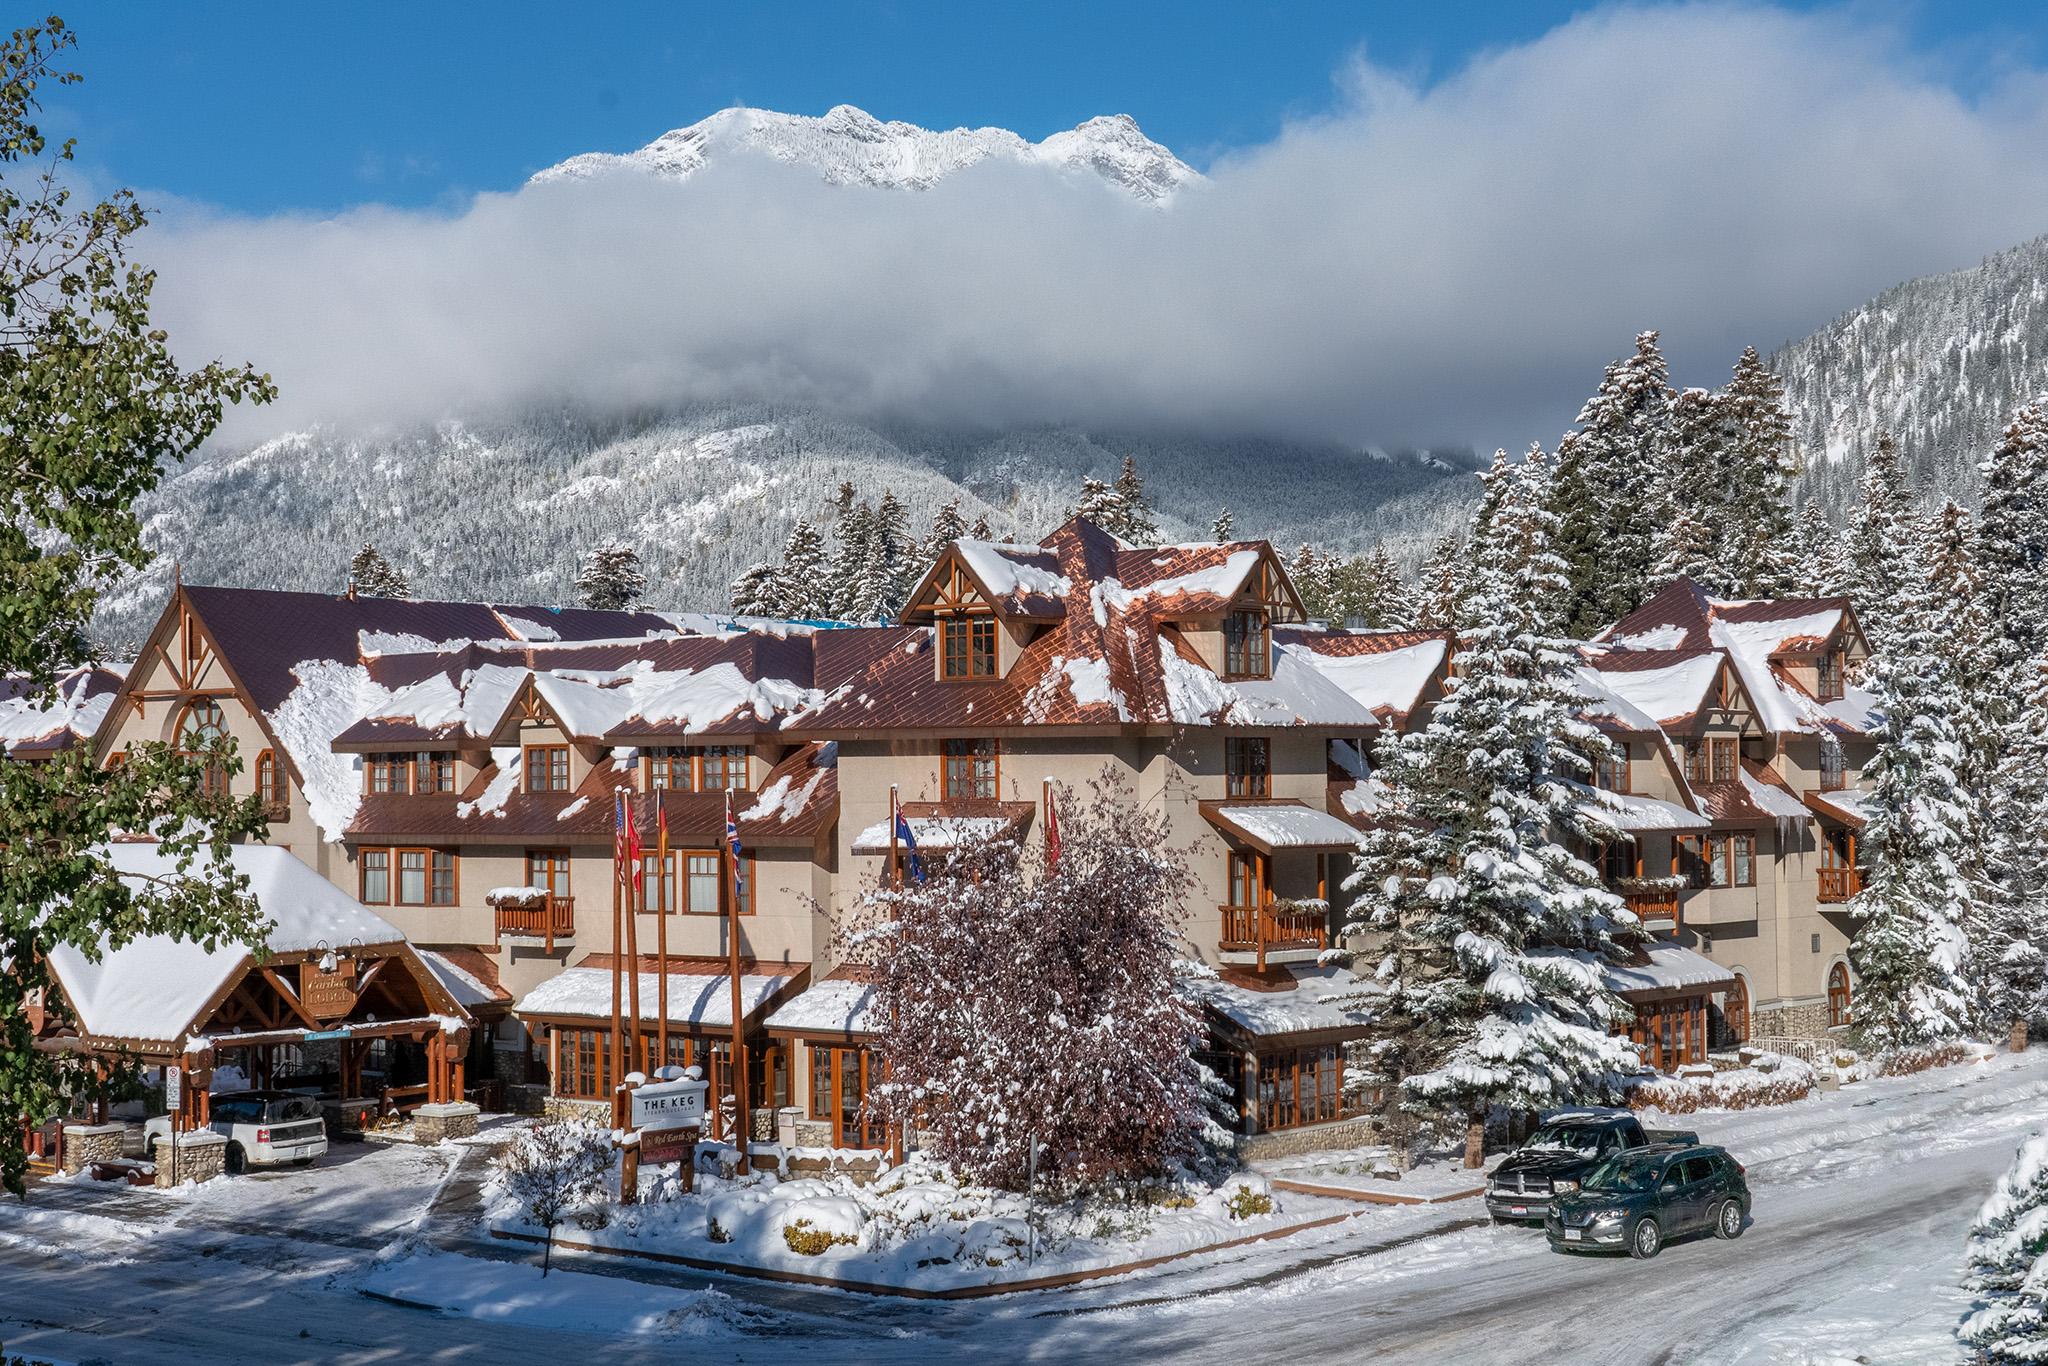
1728	1220
1645	1240
237	1161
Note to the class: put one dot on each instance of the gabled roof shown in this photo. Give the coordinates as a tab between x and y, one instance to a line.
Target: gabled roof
34	726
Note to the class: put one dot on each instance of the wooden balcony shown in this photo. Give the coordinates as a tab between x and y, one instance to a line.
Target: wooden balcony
1248	929
551	921
1654	905
1837	885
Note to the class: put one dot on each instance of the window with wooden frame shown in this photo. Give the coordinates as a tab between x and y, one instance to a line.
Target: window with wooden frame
1247	766
1298	1086
548	869
701	768
1718	860
547	768
1245	877
1248	644
386	773
432	773
1735	1011
1834	765
969	770
1618	861
580	1058
1714	759
203	725
967	646
658	883
1838	996
273	785
1612	771
1828	674
702	871
1671	1034
406	877
840	1080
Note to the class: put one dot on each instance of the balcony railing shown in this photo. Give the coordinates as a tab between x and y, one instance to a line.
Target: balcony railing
549	920
1839	884
1661	904
1274	926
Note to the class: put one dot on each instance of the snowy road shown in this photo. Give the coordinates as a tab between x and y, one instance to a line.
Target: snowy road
1862	1199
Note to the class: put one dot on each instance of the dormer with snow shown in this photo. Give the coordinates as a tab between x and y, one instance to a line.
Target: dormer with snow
985	601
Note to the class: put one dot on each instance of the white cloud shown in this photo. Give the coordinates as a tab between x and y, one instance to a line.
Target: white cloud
1449	262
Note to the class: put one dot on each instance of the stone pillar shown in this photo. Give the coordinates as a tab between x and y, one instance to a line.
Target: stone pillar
85	1144
449	1119
202	1155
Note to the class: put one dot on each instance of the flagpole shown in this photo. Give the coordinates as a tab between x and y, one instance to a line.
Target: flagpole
730	855
618	1073
1052	834
661	883
638	1046
895	864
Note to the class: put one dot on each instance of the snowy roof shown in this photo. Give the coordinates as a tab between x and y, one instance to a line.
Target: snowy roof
938	831
1671	689
1281	825
837	1006
34	726
1633	814
469	990
1665	967
1850	806
1603	703
696	999
1387	681
1023	579
1314	997
153	988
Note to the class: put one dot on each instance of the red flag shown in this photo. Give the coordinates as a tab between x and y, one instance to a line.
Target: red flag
1052	833
633	848
619	838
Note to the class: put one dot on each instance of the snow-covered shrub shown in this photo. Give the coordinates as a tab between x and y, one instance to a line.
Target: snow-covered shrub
1246	1203
1903	1062
552	1167
1022	1005
1773	1079
808	1240
2008	1264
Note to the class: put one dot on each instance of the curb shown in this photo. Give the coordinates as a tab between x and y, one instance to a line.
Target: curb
1372	1197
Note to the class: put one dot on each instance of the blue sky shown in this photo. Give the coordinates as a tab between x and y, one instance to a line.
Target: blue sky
319	106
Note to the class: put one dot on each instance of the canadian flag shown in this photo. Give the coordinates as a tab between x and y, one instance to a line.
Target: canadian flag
1052	832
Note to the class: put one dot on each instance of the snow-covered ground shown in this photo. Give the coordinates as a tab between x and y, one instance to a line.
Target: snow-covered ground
1863	1198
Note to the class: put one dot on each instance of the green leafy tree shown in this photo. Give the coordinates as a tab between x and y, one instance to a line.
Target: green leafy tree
96	408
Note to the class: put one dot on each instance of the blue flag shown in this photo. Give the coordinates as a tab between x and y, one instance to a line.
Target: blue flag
909	846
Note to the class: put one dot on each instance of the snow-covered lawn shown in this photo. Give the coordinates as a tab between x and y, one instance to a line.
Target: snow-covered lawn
510	1292
916	1227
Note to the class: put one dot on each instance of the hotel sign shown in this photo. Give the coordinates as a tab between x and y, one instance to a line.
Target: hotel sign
669	1104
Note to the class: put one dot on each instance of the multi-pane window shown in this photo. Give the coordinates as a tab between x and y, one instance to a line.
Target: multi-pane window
203	726
1247	766
1712	760
433	773
968	773
690	885
1719	860
1299	1086
580	1058
657	883
1834	768
708	768
548	869
967	647
386	772
271	781
547	768
1838	996
406	877
422	774
1828	676
840	1079
1246	877
1611	772
1247	643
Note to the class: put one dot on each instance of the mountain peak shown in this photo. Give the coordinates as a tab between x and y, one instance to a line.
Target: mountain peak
850	146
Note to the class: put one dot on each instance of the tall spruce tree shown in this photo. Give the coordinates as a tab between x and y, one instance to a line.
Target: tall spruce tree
756	592
1099	504
610	577
948	526
2012	537
1495	930
1314	575
1606	491
2007	1257
1442	586
1225	526
803	580
852	536
1877	547
1693	532
373	576
899	558
2009	941
1136	523
1823	570
1377	594
1911	952
1760	554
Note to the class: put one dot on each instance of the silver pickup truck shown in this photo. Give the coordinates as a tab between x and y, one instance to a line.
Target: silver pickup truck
263	1128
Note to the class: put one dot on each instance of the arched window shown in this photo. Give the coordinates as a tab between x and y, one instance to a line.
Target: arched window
1735	1010
271	784
204	724
1838	995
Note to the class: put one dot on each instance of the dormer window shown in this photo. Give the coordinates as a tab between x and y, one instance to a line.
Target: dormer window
1712	760
1612	773
709	768
547	768
421	774
1828	671
1248	644
967	647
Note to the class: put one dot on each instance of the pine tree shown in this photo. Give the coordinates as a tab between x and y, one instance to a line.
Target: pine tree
803	581
1495	930
1605	492
2012	537
1314	579
757	591
1373	592
852	535
981	530
610	577
1693	531
948	526
1823	571
1686	547
872	587
1443	586
1910	951
2007	1260
1099	504
2009	941
899	560
1876	549
1225	527
1759	555
1137	525
373	576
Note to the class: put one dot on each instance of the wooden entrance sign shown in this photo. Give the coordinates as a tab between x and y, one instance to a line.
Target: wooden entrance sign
328	995
668	1115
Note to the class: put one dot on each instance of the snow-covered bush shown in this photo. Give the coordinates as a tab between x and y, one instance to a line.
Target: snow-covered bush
1248	1197
1773	1079
808	1240
1903	1062
2008	1264
552	1167
1022	1006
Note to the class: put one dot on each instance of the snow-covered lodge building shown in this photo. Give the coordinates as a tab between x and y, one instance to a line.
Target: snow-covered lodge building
453	767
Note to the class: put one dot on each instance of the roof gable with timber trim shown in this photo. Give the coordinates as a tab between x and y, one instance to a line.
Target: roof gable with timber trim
997	577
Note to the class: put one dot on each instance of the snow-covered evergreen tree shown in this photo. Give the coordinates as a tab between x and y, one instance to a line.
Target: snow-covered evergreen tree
1878	545
1225	526
2009	940
1605	493
758	591
1495	930
1910	951
1135	513
1823	572
900	565
1760	554
1442	586
1693	531
610	577
2012	537
1099	503
373	576
2007	1264
1375	593
948	526
981	530
1685	546
853	545
803	581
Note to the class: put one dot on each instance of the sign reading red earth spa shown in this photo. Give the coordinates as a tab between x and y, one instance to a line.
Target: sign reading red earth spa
667	1145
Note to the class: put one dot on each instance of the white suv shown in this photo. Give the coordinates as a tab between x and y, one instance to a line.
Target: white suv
263	1128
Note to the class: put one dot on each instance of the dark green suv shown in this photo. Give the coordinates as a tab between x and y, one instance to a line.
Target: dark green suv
1642	1198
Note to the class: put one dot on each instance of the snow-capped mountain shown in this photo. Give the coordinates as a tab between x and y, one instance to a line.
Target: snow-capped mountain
852	147
1939	362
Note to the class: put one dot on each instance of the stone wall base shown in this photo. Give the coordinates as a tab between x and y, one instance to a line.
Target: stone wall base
562	1107
1790	1022
527	1099
202	1155
1342	1133
436	1123
85	1144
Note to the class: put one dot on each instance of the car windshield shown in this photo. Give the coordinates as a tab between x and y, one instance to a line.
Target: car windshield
1625	1172
1565	1138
